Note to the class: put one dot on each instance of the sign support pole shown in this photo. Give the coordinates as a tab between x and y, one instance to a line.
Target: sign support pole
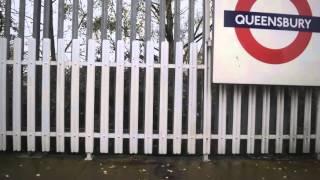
207	81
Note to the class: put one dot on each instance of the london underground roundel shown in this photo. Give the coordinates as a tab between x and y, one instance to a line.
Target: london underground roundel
267	42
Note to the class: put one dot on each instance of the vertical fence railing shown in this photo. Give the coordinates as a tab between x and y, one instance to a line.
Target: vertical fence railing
75	80
3	94
31	99
164	60
16	95
60	102
105	83
252	106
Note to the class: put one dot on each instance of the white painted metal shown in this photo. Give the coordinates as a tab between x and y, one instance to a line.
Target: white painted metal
163	112
222	119
280	118
169	136
265	119
75	78
90	88
104	111
45	110
148	136
134	101
293	121
31	96
3	93
60	96
318	124
237	98
16	96
148	122
177	126
119	98
192	110
207	58
251	119
307	121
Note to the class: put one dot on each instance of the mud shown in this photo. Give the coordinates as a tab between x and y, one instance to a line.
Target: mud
60	167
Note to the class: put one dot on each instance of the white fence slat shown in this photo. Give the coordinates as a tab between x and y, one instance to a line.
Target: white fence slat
90	88
192	109
119	98
307	121
31	96
177	127
45	110
163	114
293	121
60	96
75	78
265	119
105	83
149	91
222	119
318	124
251	119
237	98
3	92
134	101
16	96
280	118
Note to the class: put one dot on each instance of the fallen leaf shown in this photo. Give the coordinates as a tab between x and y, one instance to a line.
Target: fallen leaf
170	171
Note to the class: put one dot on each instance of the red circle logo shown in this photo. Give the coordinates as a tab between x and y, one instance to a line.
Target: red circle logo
268	55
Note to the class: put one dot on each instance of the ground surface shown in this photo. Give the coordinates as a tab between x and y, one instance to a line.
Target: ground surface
60	167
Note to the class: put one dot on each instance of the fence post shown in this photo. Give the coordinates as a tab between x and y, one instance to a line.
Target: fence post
119	98
60	96
293	121
177	127
251	119
149	91
3	93
237	98
16	98
265	119
307	121
134	101
280	118
31	107
105	83
45	110
75	78
90	88
222	119
192	106
207	57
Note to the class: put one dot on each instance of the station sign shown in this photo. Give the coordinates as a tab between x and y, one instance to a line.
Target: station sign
272	42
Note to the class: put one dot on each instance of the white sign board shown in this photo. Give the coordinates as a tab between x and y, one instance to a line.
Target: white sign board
275	42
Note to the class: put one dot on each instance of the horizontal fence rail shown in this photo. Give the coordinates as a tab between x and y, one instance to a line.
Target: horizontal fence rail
139	96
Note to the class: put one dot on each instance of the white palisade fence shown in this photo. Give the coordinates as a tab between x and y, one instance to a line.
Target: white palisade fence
262	117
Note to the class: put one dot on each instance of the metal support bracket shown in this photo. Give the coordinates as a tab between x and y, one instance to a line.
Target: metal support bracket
89	157
205	158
